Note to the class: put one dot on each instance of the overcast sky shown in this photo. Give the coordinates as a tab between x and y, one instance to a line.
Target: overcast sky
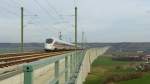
101	20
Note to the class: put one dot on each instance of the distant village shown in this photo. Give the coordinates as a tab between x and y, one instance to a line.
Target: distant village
142	57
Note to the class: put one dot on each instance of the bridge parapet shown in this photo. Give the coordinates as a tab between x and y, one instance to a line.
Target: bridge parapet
61	68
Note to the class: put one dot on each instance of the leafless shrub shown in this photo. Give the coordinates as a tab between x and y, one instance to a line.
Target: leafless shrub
119	77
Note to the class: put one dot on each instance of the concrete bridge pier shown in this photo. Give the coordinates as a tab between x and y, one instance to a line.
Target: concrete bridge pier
89	58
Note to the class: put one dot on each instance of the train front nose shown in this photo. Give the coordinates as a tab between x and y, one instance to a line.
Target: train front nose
49	44
49	47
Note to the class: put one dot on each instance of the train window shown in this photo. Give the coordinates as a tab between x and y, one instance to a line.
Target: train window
49	40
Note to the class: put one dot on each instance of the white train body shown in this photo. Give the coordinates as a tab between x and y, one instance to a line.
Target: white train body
55	44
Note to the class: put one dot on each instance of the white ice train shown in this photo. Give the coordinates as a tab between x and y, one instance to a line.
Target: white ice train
56	44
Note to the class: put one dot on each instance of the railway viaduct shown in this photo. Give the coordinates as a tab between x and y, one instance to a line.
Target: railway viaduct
65	67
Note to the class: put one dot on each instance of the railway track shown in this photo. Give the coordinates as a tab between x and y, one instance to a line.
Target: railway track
14	59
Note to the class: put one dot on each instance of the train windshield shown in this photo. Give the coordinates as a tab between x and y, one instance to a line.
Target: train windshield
49	40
